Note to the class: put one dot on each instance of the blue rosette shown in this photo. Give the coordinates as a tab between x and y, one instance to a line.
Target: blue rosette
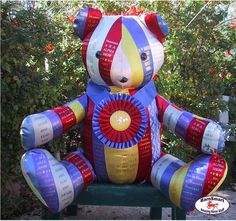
107	133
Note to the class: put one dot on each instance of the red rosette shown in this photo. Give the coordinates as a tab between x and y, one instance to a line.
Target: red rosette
109	135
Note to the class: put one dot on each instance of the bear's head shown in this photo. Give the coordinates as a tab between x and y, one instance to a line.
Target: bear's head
121	51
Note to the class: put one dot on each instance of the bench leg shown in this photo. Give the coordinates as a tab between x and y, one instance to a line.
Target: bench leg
155	212
47	215
71	210
178	214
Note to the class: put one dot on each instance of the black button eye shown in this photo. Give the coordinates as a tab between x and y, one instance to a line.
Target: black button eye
98	54
143	56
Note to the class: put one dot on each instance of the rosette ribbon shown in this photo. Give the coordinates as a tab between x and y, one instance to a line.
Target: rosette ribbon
107	133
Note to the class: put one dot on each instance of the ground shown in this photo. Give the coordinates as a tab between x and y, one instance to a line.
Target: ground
130	213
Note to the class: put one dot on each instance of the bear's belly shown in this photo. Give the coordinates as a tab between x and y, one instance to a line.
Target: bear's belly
122	165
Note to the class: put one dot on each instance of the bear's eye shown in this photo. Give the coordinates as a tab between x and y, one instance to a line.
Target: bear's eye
143	56
98	54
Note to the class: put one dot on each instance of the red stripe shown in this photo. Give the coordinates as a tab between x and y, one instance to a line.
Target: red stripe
66	116
132	91
162	104
87	135
112	134
78	161
92	20
215	173
108	50
195	132
145	154
151	22
85	47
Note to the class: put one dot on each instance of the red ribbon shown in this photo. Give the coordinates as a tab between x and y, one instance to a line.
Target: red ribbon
66	116
215	172
78	161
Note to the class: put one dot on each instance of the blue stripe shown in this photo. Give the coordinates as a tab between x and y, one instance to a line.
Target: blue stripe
84	101
146	94
42	173
27	133
76	177
99	160
98	93
183	123
167	176
55	122
80	22
163	25
142	44
194	181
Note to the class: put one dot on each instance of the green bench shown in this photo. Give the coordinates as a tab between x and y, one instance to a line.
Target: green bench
136	195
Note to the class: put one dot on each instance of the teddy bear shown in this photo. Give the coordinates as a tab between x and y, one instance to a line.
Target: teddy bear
121	116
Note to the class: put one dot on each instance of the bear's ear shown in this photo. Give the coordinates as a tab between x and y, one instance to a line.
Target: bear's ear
157	25
86	21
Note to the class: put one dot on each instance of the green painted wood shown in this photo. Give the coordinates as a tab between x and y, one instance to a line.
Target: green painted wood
178	214
135	195
156	213
139	195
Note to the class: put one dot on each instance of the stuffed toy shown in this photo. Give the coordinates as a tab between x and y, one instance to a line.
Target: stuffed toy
121	116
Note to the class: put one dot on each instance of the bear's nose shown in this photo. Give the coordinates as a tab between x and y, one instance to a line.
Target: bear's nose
123	80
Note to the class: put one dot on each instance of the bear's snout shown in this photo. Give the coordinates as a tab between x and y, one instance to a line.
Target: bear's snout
124	79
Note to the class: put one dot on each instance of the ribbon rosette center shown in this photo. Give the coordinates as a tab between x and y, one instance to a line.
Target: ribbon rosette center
120	120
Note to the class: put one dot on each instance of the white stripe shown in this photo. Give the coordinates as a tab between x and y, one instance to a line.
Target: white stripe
121	68
210	138
95	44
155	131
157	48
63	183
42	129
159	168
171	116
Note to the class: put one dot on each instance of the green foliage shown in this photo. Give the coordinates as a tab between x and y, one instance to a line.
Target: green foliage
185	79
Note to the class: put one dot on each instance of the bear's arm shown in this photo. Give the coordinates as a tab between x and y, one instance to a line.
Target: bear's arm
40	128
201	133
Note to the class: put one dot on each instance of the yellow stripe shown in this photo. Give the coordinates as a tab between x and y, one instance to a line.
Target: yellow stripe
176	184
122	164
198	117
31	185
78	110
221	181
131	51
115	90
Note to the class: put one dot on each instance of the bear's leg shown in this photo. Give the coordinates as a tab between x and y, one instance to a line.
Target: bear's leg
184	183
56	183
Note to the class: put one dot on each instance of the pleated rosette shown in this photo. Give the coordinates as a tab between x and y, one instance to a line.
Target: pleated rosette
107	133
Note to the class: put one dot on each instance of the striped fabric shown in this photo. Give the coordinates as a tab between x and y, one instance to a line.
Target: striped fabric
200	133
184	183
38	129
126	165
126	49
56	183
